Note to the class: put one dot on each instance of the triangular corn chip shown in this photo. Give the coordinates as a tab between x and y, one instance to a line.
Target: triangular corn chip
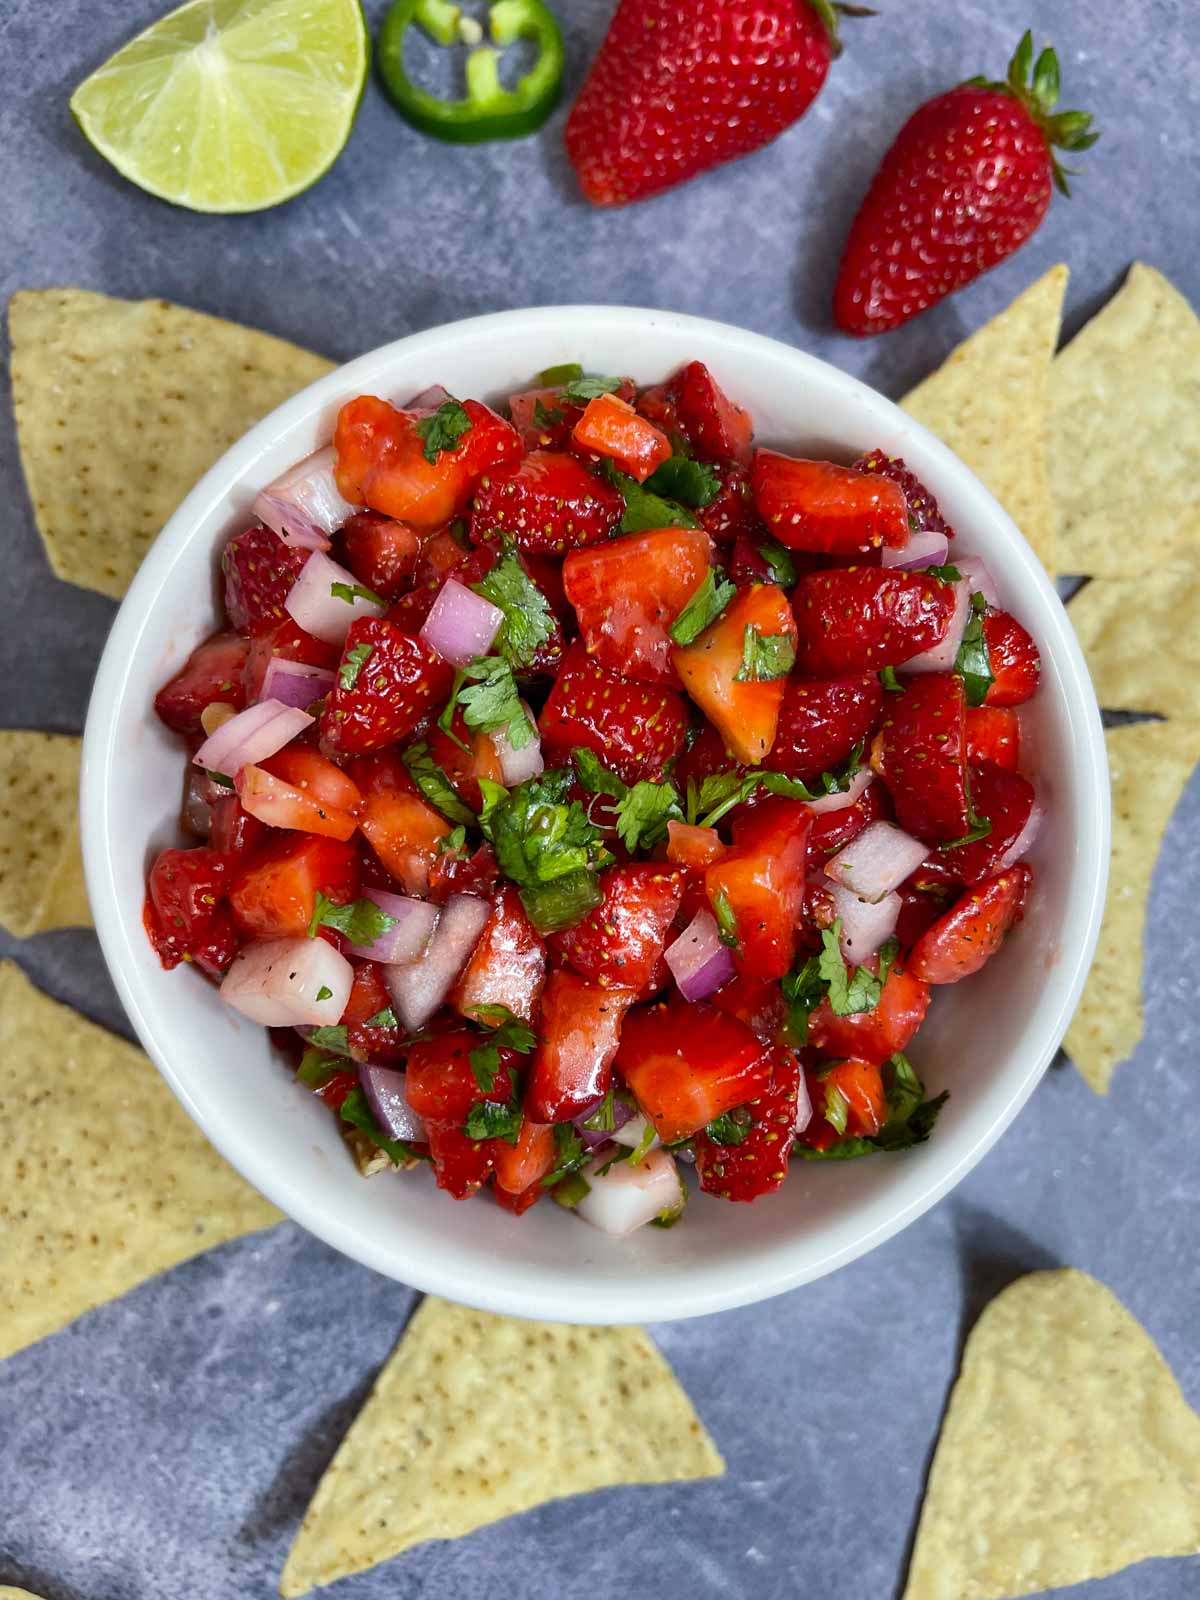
1149	766
104	1179
989	401
41	870
1124	441
15	1594
121	407
1124	625
1067	1451
476	1417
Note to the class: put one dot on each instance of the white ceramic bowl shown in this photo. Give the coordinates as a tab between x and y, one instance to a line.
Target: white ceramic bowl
987	1041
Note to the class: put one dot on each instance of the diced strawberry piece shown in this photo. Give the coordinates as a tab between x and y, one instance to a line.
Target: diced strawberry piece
440	1082
611	429
994	735
821	720
453	873
859	1084
464	768
757	887
461	1166
686	1064
818	506
521	1167
619	943
858	619
833	829
873	1035
218	945
920	753
380	553
923	510
732	518
381	772
549	503
717	429
282	805
234	832
657	405
918	910
289	642
758	1165
394	682
1005	799
635	729
337	1089
713	670
580	1028
971	932
1015	662
274	894
516	1204
693	847
507	966
259	570
492	443
627	594
318	777
381	1042
754	1001
705	757
404	833
185	890
543	418
213	672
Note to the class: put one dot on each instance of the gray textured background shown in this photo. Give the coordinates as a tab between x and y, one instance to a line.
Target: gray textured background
164	1447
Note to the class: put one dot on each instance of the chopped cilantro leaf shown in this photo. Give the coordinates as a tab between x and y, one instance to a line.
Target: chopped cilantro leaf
803	990
386	1018
910	1118
580	390
643	510
350	592
355	661
603	1119
569	1191
490	1119
979	829
644	812
528	620
703	607
836	1108
947	574
435	785
222	778
728	1129
555	377
888	952
570	1155
545	843
361	921
442	429
334	1039
781	564
355	1110
317	1067
595	776
642	1149
973	664
691	483
717	794
727	924
851	990
547	416
490	701
454	842
889	680
324	992
765	656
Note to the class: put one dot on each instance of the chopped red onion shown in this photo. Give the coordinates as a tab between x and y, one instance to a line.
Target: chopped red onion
699	962
386	1092
1023	843
865	926
804	1107
417	990
631	1133
295	684
877	861
313	604
304	506
975	570
408	938
527	762
196	814
941	656
461	624
858	786
927	547
251	737
276	982
627	1197
428	399
622	1114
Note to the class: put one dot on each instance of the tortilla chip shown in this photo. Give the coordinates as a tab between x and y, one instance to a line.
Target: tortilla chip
41	870
121	406
1149	766
1123	625
1067	1451
989	401
1124	446
104	1179
16	1594
476	1417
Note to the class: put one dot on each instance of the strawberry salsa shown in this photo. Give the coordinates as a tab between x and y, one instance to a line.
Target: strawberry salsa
587	791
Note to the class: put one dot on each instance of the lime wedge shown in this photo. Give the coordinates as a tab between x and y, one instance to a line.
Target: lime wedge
230	105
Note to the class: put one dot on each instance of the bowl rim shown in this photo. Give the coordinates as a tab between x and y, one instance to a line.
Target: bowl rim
117	925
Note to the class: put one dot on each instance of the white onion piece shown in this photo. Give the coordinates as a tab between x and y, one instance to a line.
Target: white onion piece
877	861
409	936
865	926
304	506
699	962
251	737
428	399
312	603
417	990
294	683
632	1132
859	784
276	982
925	548
804	1106
1023	843
941	656
461	624
975	570
628	1196
518	765
386	1090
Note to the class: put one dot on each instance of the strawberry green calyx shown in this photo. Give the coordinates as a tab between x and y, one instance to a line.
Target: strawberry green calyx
1064	130
828	13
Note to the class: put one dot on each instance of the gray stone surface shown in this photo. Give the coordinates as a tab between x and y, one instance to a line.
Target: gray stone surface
163	1448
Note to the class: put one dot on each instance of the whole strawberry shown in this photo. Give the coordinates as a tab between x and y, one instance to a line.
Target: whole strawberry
966	183
680	86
